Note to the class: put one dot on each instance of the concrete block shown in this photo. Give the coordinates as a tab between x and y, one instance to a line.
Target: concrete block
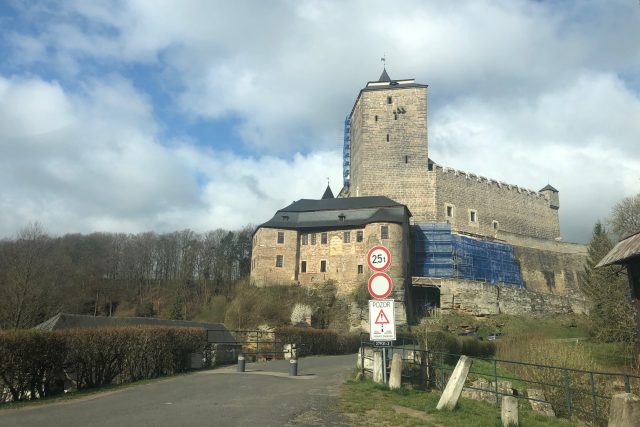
509	413
452	391
377	367
395	379
624	410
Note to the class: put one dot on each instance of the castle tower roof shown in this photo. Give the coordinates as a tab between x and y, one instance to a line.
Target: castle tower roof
549	188
328	194
384	77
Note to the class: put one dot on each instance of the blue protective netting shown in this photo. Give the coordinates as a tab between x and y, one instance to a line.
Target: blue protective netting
439	253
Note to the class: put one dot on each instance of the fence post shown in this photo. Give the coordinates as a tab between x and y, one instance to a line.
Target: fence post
567	391
627	386
594	406
362	358
495	377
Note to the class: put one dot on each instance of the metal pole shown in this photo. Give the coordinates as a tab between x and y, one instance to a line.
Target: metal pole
362	358
241	362
495	376
594	407
567	391
384	365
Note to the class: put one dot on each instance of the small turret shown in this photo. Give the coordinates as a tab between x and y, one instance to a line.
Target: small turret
328	194
551	194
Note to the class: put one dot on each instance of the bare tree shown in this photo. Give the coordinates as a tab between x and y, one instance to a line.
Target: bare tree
625	217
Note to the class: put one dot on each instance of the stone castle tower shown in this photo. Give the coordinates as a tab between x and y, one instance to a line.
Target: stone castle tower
388	144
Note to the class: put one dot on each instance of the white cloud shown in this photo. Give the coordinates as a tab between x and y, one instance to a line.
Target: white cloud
520	91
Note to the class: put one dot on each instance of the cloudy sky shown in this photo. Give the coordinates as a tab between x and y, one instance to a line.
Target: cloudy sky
164	115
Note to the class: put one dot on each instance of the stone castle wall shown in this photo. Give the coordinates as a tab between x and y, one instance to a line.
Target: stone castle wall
342	260
479	299
515	210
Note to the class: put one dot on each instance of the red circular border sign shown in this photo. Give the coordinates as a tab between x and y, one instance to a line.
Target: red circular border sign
384	295
384	267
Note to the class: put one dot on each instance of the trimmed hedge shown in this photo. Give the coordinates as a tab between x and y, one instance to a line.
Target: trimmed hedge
319	341
36	364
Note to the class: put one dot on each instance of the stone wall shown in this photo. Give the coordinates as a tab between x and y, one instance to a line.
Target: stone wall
342	259
515	210
479	298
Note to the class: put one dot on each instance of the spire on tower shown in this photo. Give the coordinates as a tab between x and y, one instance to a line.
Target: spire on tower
384	77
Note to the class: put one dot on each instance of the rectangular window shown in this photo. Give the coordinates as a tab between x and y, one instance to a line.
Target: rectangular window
472	216
360	269
406	159
313	238
495	225
389	100
279	260
305	239
359	236
387	137
280	237
395	116
384	231
323	238
376	117
323	266
449	211
347	237
303	267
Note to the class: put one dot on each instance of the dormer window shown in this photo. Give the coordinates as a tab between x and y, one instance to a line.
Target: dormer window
341	217
285	218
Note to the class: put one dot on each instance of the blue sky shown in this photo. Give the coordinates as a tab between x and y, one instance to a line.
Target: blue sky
162	115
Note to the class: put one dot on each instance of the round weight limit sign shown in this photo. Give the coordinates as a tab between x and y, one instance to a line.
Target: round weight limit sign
379	258
380	285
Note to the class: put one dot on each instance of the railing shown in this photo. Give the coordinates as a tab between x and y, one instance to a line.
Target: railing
257	344
569	392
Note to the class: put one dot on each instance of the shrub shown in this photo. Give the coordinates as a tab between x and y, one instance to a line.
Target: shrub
34	364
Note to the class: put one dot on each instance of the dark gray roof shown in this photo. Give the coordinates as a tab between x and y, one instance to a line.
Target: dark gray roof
328	194
62	321
548	187
338	213
384	77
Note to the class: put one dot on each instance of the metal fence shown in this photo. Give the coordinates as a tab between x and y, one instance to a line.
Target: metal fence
254	344
569	392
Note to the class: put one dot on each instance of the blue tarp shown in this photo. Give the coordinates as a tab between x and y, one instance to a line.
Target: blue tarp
440	253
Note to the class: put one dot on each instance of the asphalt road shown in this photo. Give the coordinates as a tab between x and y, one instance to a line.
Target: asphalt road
263	396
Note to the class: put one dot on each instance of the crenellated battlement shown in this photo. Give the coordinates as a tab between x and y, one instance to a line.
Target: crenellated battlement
488	181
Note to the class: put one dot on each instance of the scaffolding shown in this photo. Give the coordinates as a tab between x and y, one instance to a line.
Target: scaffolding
346	152
440	253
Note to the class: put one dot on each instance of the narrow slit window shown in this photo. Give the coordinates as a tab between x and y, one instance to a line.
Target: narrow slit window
303	267
360	269
389	100
323	266
449	211
387	137
376	118
473	216
384	231
395	116
406	159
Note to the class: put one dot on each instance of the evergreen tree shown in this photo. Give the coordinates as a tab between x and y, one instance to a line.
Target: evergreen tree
611	313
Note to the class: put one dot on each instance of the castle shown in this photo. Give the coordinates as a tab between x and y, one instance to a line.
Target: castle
459	241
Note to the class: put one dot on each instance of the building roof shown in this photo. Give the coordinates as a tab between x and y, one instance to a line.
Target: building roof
625	251
342	212
64	321
384	77
549	188
328	194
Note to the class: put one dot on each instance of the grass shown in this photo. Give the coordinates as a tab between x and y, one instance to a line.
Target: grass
367	403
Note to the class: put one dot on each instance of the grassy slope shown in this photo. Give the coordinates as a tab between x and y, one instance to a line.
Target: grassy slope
366	403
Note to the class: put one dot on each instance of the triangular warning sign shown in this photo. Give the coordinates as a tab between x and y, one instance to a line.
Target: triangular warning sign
382	318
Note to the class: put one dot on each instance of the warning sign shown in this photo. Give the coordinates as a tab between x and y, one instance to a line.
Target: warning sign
382	320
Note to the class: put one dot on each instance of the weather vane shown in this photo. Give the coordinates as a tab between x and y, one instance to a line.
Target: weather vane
384	60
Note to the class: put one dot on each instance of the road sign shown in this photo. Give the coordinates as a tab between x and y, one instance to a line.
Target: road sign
382	323
382	343
380	285
379	258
